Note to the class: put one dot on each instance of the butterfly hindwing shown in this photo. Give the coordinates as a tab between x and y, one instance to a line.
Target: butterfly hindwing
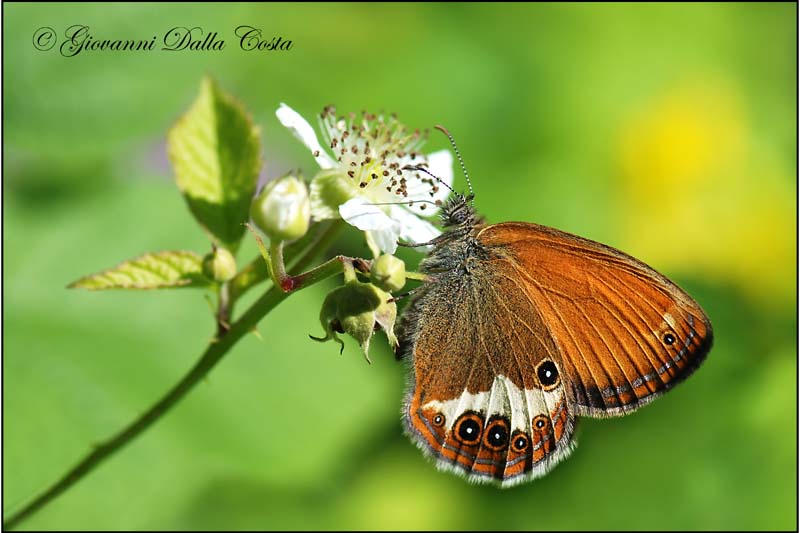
476	402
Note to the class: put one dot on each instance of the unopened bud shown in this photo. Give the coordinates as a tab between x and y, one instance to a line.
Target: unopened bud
219	265
282	210
389	273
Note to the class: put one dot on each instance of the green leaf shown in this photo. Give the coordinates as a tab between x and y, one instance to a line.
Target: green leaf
214	149
157	270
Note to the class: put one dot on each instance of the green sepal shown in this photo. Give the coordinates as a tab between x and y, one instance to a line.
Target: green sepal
328	190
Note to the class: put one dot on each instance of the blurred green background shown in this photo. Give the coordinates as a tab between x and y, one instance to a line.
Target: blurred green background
668	131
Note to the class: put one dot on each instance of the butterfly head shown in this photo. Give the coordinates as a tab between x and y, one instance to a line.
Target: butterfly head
459	211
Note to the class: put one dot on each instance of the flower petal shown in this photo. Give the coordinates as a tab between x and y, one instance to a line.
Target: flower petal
383	231
386	239
357	212
304	133
440	164
412	228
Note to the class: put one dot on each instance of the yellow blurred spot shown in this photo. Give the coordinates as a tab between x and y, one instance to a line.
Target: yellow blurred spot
707	194
681	140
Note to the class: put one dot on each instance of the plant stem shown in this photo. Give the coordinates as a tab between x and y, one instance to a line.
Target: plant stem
215	351
224	310
349	272
276	267
288	283
256	270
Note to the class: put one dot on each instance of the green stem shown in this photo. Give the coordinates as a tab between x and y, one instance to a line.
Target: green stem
287	283
349	272
327	269
212	355
224	309
319	237
276	267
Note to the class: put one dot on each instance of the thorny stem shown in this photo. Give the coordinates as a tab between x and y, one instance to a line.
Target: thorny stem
215	351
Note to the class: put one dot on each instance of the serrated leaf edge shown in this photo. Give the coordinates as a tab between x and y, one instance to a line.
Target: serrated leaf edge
164	256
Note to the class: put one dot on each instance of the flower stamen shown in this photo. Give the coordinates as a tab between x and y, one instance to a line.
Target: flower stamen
373	161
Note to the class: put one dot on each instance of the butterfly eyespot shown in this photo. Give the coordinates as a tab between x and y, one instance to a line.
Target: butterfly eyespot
540	422
520	442
669	339
547	372
468	428
438	420
496	434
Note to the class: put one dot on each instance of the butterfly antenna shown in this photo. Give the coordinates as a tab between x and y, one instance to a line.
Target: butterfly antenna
408	203
429	173
458	155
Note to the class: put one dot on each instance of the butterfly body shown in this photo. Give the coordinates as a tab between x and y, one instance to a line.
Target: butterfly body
520	328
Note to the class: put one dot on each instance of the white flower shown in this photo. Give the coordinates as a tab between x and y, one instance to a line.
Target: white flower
365	179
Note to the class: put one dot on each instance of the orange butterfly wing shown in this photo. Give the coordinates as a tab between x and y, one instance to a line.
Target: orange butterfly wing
624	333
475	403
520	328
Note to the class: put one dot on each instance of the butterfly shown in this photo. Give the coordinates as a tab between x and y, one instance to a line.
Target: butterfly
520	329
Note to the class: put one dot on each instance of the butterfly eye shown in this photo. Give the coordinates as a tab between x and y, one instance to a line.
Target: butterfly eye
669	339
496	434
547	372
438	420
468	428
519	442
540	423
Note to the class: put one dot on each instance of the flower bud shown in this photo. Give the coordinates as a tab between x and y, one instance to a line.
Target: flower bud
282	210
358	309
389	273
219	265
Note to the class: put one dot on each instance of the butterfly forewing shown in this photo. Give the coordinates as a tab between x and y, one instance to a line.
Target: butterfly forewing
624	332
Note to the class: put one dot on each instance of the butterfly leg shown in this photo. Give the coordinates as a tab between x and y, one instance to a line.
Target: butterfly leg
404	295
417	244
